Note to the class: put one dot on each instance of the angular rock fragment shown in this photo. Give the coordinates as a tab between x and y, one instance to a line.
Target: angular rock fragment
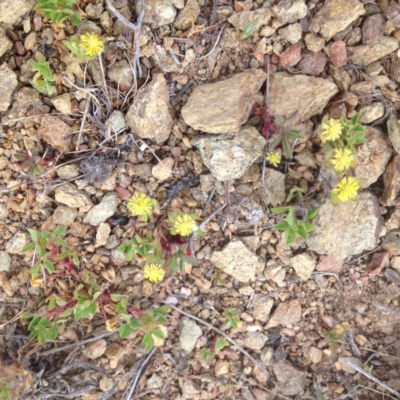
288	313
188	15
149	115
241	20
289	11
71	196
291	380
348	228
334	16
104	210
391	183
308	95
229	156
223	106
393	126
157	12
8	82
55	132
11	10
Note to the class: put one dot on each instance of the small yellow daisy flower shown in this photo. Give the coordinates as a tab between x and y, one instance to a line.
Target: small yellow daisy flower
342	159
274	158
331	130
92	44
154	272
185	225
347	189
140	204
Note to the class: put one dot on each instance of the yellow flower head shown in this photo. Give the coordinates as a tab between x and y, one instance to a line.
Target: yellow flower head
140	204
342	159
92	44
154	272
274	158
331	130
185	225
347	189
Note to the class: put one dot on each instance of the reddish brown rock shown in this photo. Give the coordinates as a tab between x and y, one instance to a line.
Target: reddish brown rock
55	132
288	313
291	379
291	56
329	264
373	28
393	13
337	53
312	63
378	261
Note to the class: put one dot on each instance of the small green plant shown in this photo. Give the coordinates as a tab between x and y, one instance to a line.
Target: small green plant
232	317
207	353
250	28
73	44
149	322
138	245
58	11
332	338
44	75
41	327
296	223
46	250
31	161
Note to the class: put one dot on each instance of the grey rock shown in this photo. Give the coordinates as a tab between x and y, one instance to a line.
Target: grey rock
68	171
5	261
94	11
71	196
3	211
121	73
157	12
341	77
11	10
223	106
94	69
31	41
273	191
8	82
292	33
63	103
368	53
288	11
17	243
149	115
371	112
346	367
391	183
64	215
164	60
189	333
23	99
307	94
102	234
116	122
104	210
306	157
241	20
348	228
304	265
372	157
5	43
255	340
187	17
291	380
393	126
229	156
261	308
237	260
334	16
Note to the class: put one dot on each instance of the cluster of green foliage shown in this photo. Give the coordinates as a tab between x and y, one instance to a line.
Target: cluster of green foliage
31	161
58	11
44	76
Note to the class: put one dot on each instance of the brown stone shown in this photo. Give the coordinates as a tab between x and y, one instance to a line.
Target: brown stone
288	313
391	183
291	56
312	63
55	132
337	53
329	264
373	28
291	379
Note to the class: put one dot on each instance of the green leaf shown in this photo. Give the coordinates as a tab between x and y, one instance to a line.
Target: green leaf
49	266
34	234
250	28
61	242
68	312
42	337
35	268
52	333
27	315
312	213
33	335
282	225
65	254
354	119
220	344
136	323
125	330
302	232
290	235
286	147
76	19
308	226
97	294
117	297
157	333
28	247
280	210
59	231
148	341
163	309
206	354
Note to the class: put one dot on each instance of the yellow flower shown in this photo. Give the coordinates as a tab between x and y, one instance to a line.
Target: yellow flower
347	189
154	272
92	44
342	159
140	204
274	158
331	130
185	225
